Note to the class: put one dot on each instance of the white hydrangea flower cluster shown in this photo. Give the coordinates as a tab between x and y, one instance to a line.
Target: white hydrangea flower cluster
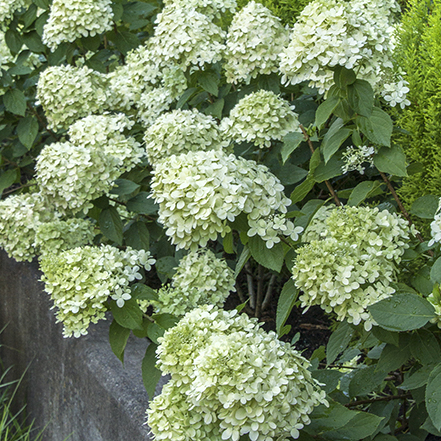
20	217
350	262
59	235
106	133
259	118
199	192
69	20
230	378
185	37
68	93
210	8
5	54
200	279
396	93
7	9
80	281
435	227
182	131
328	33
254	41
356	158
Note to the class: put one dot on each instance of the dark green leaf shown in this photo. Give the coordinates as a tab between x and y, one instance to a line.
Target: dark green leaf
111	225
433	396
155	331
290	143
343	77
40	22
287	298
7	178
124	186
129	316
334	138
338	341
27	130
425	207
271	258
291	174
327	171
150	373
402	312
417	379
359	427
186	96
302	190
118	10
209	82
378	127
243	259
118	336
15	102
143	292
361	97
13	41
167	265
227	242
138	236
365	380
394	357
134	10
165	321
215	109
43	4
309	210
363	191
391	160
33	41
29	16
324	111
329	377
435	272
425	347
124	41
143	204
386	336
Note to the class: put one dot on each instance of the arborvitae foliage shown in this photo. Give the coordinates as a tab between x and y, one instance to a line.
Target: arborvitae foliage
419	55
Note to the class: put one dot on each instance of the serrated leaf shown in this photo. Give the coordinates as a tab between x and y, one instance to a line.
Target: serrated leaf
129	316
402	312
271	258
362	191
124	186
417	379
425	207
331	169
361	97
343	77
287	298
391	160
118	336
386	336
425	347
290	143
150	373
302	190
338	341
433	396
27	130
124	41
15	102
334	138
138	236
365	380
111	225
324	111
142	203
378	127
140	291
209	82
393	357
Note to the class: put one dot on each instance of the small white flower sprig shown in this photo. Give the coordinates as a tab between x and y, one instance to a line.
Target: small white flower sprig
356	158
230	378
72	19
82	279
350	261
199	192
259	118
200	279
254	41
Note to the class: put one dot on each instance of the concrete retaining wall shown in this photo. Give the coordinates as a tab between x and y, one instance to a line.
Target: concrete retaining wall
75	387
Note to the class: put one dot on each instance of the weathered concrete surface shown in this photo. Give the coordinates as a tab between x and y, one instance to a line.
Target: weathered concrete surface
75	387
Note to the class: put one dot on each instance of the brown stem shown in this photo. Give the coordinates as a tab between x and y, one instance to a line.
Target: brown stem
373	400
269	292
240	293
259	300
250	282
328	184
16	189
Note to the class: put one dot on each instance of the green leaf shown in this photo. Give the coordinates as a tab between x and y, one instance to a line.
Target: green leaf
155	331
124	41
361	97
166	265
338	341
7	178
43	4
129	316
362	191
343	77
124	186
329	377
291	174
150	373
142	203
243	259
118	337
290	143
331	169
378	127
111	225
393	357
425	207
186	96
209	82
138	236
391	160
228	244
334	138
386	336
309	210
215	109
365	380
29	16
143	292
27	130
13	41
33	41
15	102
324	111
133	11
435	272
417	379
287	298
165	321
359	427
425	347
271	258
433	396
302	190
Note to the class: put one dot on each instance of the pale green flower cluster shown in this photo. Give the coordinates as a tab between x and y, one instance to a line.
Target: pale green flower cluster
259	118
396	93
72	19
254	41
199	192
210	8
7	9
20	217
81	280
68	93
5	54
356	158
351	261
230	378
182	131
435	227
328	33
200	279
59	235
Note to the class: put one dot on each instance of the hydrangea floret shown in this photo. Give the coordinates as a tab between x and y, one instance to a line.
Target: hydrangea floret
182	131
199	192
435	227
7	9
230	378
72	19
20	217
59	235
351	260
261	117
356	158
82	279
68	93
396	93
254	41
210	8
201	278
